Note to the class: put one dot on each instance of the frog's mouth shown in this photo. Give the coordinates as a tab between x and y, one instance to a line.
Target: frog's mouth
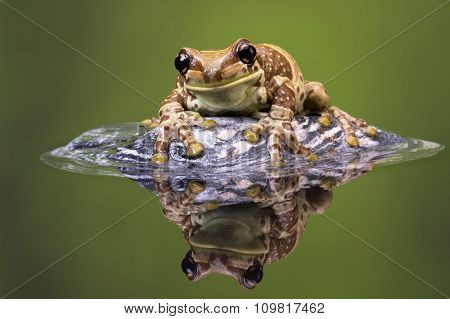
228	235
225	84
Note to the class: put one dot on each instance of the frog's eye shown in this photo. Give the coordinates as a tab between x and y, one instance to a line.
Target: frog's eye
252	277
182	62
189	267
246	53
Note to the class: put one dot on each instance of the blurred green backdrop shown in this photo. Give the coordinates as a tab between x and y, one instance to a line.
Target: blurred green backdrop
49	94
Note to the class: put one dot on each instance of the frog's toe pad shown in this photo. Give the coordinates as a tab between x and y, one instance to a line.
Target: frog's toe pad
149	123
371	131
196	187
210	206
160	158
311	157
253	191
208	124
195	149
352	140
251	136
324	121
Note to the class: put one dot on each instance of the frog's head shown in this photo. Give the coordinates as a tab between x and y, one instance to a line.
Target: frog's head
217	71
246	269
229	244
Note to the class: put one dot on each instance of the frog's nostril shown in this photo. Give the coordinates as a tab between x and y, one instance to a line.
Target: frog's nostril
212	75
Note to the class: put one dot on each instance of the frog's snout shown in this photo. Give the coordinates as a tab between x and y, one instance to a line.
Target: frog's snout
212	75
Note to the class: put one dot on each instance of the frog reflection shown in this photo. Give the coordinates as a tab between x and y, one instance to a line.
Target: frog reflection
238	240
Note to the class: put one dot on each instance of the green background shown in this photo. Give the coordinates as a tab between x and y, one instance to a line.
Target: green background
49	94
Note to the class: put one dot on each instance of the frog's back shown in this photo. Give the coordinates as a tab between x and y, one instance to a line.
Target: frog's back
277	62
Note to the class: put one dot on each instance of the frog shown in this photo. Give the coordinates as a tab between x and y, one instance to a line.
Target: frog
238	240
245	79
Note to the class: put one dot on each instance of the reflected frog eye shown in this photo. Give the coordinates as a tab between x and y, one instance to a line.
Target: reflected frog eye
246	53
182	62
189	267
252	277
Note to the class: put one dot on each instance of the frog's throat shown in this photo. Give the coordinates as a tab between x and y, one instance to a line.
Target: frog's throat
228	235
225	84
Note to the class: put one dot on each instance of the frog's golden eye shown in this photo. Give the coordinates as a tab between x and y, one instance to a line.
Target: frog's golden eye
246	53
252	277
189	267
182	62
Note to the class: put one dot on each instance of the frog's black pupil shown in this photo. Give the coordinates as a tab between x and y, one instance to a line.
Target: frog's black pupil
253	275
189	267
182	63
246	53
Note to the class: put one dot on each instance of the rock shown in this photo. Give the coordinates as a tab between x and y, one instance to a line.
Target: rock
229	163
225	147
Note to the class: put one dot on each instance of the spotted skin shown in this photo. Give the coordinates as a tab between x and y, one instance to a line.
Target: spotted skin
225	82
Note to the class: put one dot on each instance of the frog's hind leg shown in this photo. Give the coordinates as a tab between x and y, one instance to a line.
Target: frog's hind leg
344	120
360	123
318	101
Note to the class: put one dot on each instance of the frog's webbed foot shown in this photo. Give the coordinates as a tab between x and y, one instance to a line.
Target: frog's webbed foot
348	123
278	131
174	120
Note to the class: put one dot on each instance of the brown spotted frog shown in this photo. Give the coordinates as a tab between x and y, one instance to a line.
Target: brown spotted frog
259	80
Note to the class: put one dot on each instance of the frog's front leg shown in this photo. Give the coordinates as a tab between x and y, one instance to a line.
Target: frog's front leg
278	124
317	100
173	119
280	197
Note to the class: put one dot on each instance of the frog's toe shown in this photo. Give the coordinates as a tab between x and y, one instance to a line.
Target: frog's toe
324	121
253	191
210	206
352	140
208	124
296	147
371	131
149	123
312	156
327	184
160	158
195	149
279	163
196	186
251	136
193	118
